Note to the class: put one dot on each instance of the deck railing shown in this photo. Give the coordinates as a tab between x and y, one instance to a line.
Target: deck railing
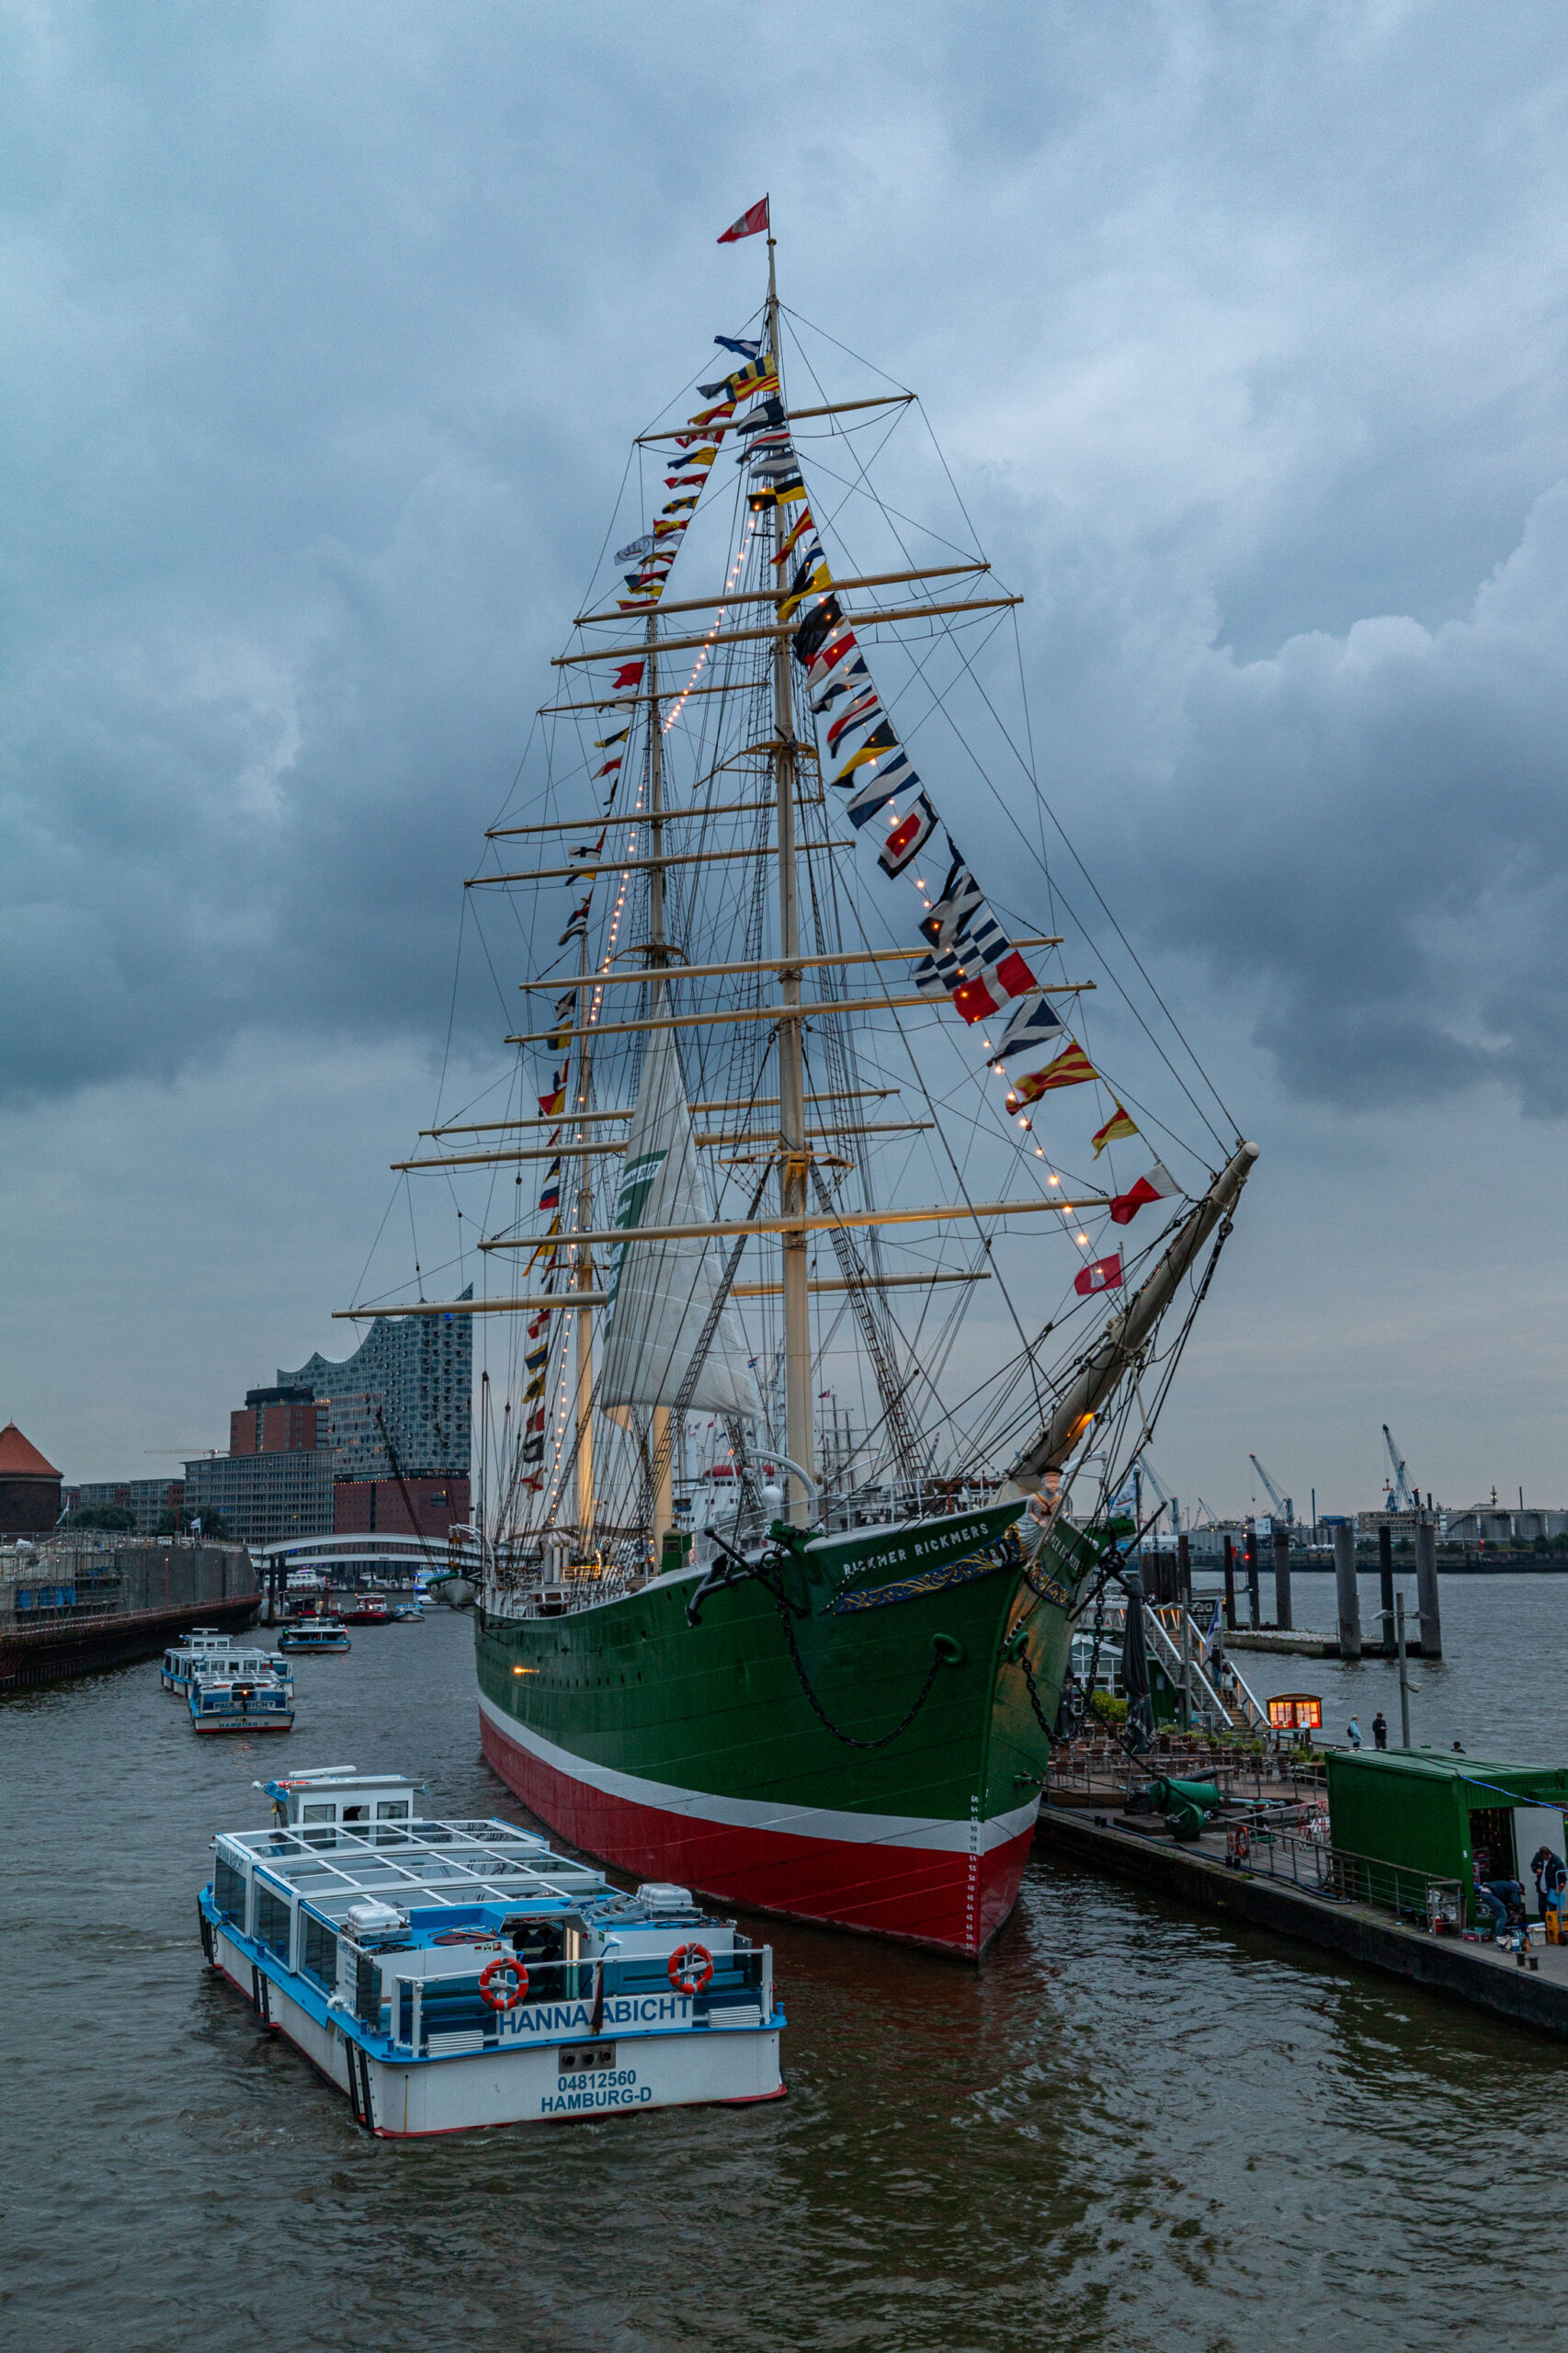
411	2010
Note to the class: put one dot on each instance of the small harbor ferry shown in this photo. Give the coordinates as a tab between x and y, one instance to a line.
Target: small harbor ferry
224	1697
314	1634
365	1610
227	1655
452	1974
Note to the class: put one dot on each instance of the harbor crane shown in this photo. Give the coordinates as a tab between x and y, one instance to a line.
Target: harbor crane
1284	1508
1170	1503
1400	1496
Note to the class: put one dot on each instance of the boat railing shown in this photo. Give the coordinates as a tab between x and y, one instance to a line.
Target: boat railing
452	2013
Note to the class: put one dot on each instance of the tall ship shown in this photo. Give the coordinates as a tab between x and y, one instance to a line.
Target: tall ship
838	1218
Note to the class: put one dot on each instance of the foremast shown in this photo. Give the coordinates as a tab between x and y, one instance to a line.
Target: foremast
793	1152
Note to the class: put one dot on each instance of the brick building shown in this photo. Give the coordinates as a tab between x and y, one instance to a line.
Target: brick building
375	1506
30	1486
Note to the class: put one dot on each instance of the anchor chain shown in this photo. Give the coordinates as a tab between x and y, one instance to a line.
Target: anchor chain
768	1572
1051	1737
848	1737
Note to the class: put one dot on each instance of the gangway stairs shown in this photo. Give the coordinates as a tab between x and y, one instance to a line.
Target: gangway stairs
1219	1691
1225	1691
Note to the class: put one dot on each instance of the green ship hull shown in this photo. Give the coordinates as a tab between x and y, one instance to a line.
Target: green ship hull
858	1744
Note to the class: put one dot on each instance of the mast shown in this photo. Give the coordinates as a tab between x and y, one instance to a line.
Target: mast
585	1317
793	1150
1125	1335
662	1511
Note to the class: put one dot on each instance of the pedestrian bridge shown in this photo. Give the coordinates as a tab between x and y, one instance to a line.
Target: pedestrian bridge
351	1556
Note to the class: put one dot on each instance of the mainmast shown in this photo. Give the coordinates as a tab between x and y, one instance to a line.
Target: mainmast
585	1318
658	956
793	1150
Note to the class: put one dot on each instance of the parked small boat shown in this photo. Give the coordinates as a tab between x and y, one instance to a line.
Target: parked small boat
452	1974
227	1655
224	1700
314	1634
408	1613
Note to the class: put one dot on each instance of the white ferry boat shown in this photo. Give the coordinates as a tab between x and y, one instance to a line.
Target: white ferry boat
182	1664
452	1974
224	1697
314	1634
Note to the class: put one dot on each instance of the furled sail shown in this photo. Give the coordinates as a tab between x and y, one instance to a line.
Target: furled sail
662	1293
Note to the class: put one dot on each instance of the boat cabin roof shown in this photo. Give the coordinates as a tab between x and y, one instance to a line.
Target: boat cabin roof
320	1793
403	1869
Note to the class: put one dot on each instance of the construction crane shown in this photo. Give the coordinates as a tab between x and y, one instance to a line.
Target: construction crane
1400	1496
1283	1506
1170	1503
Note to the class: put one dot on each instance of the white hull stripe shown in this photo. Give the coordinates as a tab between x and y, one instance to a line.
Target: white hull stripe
765	1813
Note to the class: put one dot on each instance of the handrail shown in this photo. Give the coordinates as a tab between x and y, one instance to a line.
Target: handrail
1345	1877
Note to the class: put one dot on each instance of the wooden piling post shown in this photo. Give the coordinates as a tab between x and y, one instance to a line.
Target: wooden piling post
1426	1588
1347	1593
1283	1616
1385	1587
1254	1602
1184	1570
1230	1587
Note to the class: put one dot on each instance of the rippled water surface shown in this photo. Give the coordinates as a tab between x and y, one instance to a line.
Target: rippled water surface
1131	2129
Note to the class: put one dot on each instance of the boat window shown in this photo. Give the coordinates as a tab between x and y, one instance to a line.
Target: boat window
272	1920
229	1893
356	1813
319	1956
320	1813
393	1810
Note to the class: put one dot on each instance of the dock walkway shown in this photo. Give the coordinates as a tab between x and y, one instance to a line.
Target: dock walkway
1195	1872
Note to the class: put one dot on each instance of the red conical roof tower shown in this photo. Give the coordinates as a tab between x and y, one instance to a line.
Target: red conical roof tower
19	1458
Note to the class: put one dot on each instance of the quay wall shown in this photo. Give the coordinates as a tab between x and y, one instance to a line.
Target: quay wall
73	1606
1442	1964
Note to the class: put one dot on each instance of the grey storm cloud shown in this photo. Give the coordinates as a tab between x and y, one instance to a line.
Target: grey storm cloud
329	328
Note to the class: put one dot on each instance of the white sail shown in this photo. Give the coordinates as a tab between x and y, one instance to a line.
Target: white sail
662	1293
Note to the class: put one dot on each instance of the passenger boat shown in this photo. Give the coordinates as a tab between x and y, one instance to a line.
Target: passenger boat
314	1634
230	1654
224	1697
816	1252
452	1974
365	1610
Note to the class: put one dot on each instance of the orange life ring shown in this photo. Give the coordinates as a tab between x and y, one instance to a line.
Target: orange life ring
684	1968
500	2000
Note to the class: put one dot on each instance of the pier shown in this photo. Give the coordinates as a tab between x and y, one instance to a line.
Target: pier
1265	1858
1196	1873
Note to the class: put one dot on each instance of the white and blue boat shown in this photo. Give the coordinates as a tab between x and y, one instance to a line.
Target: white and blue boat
314	1634
182	1663
223	1698
452	1974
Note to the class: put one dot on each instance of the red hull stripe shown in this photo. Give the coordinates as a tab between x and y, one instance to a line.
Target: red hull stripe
952	1900
839	1824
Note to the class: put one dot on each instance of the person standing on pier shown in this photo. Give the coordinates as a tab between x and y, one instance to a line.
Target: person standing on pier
1353	1734
1551	1879
1380	1729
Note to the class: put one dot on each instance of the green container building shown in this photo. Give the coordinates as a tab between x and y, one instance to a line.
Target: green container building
1432	1811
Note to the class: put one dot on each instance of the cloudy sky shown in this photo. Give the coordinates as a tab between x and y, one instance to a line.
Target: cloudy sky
326	329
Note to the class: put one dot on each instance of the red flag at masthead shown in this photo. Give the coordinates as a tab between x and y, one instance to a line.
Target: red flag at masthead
750	225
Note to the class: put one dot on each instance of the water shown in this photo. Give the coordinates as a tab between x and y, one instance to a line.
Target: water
1132	2129
1499	1688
